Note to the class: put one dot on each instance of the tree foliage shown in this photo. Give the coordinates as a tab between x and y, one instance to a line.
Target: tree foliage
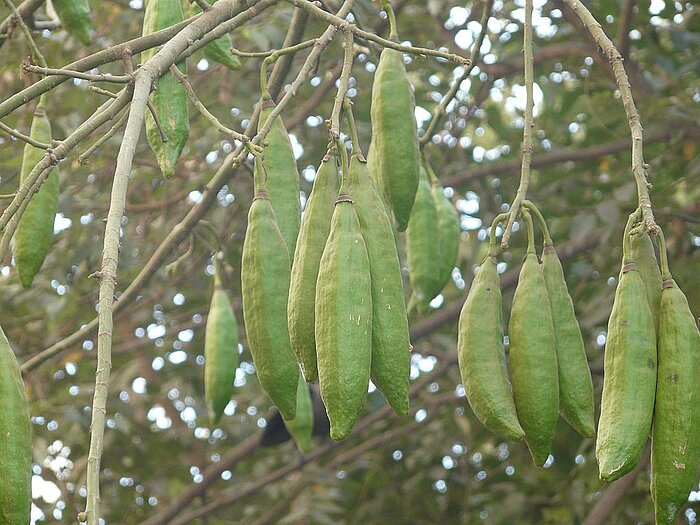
162	462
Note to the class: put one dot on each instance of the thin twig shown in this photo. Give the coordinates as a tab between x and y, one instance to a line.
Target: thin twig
107	77
149	105
134	46
39	173
83	157
441	109
27	33
25	10
528	126
276	52
21	136
639	167
343	85
236	135
340	23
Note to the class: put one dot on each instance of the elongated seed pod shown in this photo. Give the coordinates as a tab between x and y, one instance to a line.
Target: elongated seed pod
575	384
642	252
394	140
15	436
75	18
373	167
282	177
675	445
482	355
533	360
423	258
344	320
315	226
218	50
629	382
34	232
449	232
265	278
391	347
302	426
220	352
169	98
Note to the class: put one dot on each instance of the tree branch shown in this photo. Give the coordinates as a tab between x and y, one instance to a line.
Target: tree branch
26	9
615	493
639	167
557	157
623	28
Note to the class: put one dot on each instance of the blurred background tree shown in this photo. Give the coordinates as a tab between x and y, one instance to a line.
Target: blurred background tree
162	462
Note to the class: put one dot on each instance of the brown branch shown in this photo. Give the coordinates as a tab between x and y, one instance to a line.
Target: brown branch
639	83
312	103
623	29
557	157
319	454
211	474
283	64
615	493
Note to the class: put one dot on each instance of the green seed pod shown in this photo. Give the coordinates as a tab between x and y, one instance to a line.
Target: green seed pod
391	347
75	18
394	138
423	228
302	426
675	444
265	278
220	351
642	252
373	167
169	98
575	384
315	226
482	354
629	381
34	232
15	436
533	359
449	232
344	320
219	49
282	177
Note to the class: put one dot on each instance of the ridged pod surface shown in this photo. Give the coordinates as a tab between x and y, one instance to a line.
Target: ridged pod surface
482	355
315	226
391	347
675	445
169	98
302	426
642	252
265	278
75	18
629	381
217	50
220	352
282	177
34	232
575	384
449	232
422	251
394	147
15	436
533	360
344	320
